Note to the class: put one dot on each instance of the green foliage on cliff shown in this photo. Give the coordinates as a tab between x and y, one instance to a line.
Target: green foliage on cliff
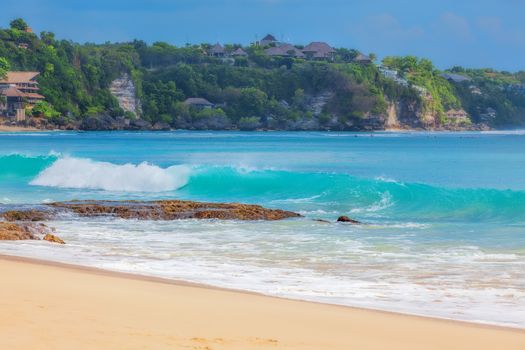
250	92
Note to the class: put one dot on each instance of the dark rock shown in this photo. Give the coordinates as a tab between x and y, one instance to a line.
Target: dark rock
139	124
25	215
347	219
161	126
323	221
98	123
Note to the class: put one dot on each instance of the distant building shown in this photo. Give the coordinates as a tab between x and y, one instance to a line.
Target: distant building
20	90
217	50
474	90
455	78
457	114
239	53
362	59
198	102
319	50
393	75
268	40
285	50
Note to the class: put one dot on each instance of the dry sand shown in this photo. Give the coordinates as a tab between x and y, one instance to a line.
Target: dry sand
52	306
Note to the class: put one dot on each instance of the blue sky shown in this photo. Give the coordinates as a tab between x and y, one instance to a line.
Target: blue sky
471	33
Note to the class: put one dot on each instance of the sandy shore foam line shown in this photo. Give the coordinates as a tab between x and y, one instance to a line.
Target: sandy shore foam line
49	305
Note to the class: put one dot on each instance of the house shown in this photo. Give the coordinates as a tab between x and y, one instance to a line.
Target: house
20	90
239	53
199	103
285	50
217	51
457	114
319	50
362	59
268	40
393	75
455	78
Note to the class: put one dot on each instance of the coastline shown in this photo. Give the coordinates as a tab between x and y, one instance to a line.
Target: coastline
128	310
9	128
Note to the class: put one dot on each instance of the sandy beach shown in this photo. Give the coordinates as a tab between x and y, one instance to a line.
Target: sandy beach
54	306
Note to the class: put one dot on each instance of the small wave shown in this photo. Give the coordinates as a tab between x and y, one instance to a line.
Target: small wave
89	174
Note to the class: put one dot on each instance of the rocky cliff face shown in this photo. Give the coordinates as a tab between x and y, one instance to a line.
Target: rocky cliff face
124	91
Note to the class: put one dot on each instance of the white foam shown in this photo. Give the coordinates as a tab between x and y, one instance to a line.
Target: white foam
72	172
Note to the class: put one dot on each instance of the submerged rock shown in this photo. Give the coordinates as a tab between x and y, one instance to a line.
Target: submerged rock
14	232
10	231
25	215
347	219
53	239
174	210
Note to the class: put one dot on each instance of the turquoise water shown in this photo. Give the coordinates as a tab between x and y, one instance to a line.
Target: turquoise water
444	213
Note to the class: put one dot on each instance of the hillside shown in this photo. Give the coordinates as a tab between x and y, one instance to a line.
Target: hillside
139	86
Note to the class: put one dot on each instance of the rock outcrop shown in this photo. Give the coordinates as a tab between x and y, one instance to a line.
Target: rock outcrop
53	239
124	91
173	210
25	215
10	231
348	220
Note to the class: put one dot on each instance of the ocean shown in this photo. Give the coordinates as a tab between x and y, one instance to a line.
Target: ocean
443	214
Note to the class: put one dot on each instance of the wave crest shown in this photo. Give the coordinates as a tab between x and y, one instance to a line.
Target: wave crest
86	173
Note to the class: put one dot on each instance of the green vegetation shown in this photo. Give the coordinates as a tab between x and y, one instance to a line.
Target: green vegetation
250	92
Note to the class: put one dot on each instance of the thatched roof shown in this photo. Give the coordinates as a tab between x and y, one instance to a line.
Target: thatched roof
269	37
239	52
217	49
318	47
285	50
456	78
19	77
12	92
362	58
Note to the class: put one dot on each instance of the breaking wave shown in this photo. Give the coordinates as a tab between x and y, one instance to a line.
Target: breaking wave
364	198
90	174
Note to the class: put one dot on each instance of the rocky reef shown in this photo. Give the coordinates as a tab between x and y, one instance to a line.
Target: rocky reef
173	210
11	231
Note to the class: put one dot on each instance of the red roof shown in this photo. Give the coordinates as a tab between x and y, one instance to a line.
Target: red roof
12	92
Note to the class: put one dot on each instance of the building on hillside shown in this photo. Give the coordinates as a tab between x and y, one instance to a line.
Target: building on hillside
239	53
457	115
393	74
362	59
285	50
217	50
319	50
199	103
20	91
268	40
455	78
28	30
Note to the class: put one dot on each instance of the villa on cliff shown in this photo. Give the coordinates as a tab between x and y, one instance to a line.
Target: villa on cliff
18	91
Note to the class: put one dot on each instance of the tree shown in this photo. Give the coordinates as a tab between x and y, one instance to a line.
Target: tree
19	24
4	67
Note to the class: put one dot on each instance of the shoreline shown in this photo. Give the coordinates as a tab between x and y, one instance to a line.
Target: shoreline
183	283
51	305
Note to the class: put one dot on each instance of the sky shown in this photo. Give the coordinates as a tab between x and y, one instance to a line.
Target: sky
471	33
